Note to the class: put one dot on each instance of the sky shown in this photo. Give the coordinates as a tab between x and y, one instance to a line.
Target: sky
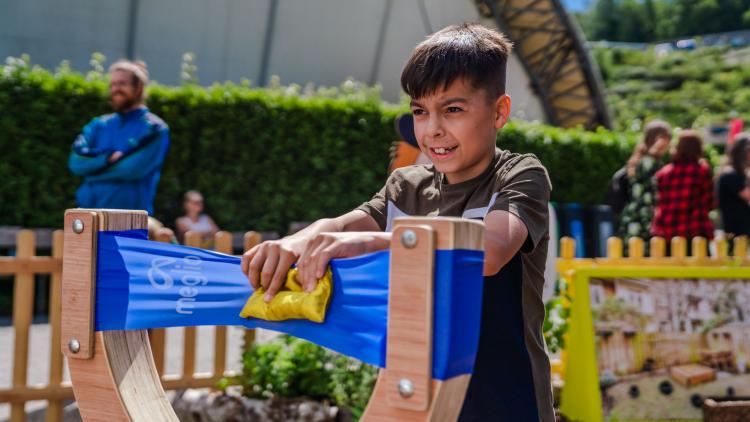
576	5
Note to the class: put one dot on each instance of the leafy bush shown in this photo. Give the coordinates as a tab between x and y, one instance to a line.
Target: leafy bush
291	367
262	157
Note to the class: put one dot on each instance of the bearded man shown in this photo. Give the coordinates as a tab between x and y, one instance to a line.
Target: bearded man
120	155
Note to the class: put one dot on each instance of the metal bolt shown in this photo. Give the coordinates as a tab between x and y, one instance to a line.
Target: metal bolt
409	238
74	345
405	388
78	226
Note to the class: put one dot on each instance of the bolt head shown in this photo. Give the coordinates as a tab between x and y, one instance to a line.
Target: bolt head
409	238
74	345
78	225
405	388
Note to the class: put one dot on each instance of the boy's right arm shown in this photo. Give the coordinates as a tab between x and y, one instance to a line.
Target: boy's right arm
267	264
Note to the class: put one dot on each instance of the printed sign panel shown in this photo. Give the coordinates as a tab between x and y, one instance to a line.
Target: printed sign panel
663	345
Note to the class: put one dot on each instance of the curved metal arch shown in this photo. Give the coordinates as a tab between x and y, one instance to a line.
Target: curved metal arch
551	48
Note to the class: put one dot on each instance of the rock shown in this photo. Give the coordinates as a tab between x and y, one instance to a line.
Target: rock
204	406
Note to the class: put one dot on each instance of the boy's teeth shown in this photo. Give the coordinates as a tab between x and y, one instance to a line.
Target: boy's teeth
443	150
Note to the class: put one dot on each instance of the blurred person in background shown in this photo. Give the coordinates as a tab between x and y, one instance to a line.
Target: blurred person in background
636	189
684	192
405	151
120	155
195	220
733	190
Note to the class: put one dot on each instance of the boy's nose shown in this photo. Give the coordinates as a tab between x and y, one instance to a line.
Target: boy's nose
435	128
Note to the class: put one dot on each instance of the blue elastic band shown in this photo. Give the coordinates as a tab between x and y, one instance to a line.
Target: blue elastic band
144	284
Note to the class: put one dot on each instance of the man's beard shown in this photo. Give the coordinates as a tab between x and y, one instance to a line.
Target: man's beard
125	104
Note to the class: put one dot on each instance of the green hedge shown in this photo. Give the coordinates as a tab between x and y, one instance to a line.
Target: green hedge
262	157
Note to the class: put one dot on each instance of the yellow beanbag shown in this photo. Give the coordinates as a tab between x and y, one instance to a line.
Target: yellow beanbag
291	302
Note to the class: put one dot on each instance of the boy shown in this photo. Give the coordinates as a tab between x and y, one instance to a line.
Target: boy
456	80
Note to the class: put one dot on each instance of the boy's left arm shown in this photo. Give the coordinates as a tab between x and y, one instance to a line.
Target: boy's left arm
518	219
504	234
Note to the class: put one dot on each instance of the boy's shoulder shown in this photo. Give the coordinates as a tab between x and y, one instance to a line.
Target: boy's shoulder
412	177
509	165
505	166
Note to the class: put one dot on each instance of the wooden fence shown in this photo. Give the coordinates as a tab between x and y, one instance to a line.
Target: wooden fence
25	265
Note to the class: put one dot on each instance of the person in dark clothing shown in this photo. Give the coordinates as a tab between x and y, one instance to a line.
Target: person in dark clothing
733	188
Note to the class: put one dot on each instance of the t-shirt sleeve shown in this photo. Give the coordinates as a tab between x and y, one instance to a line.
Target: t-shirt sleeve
377	208
525	193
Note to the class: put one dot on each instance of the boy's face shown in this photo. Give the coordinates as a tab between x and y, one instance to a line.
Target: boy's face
456	128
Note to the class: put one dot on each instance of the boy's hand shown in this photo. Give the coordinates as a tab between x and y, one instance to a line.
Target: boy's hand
267	263
324	247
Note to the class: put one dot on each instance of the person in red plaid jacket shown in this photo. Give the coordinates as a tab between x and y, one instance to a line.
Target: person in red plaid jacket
684	192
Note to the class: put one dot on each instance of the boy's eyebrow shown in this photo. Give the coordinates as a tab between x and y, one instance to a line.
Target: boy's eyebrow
454	100
414	103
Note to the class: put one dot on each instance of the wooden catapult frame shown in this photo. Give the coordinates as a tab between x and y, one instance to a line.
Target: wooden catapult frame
113	373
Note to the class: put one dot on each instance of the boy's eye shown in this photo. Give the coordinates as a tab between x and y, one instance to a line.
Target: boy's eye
454	109
417	112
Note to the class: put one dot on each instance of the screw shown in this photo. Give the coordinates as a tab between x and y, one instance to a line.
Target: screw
409	238
78	226
405	388
74	346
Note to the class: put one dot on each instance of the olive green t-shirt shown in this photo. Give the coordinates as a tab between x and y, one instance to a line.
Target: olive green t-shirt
511	378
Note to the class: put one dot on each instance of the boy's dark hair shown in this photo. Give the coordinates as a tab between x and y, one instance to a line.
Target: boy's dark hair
470	51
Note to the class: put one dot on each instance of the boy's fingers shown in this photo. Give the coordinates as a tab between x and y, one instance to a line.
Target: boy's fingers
304	260
269	268
275	285
279	277
310	278
323	259
303	264
246	258
256	265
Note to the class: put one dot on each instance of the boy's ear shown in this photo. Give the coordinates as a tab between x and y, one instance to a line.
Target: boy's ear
502	110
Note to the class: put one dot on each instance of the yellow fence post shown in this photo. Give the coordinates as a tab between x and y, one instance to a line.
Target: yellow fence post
699	247
635	247
679	247
740	247
658	247
614	247
722	248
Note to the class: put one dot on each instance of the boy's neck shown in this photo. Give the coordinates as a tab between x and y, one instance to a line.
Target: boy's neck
474	172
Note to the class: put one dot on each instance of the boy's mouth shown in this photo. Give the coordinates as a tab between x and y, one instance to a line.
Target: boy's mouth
441	152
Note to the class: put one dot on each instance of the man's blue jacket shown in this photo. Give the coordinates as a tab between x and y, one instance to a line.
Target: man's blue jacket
130	182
